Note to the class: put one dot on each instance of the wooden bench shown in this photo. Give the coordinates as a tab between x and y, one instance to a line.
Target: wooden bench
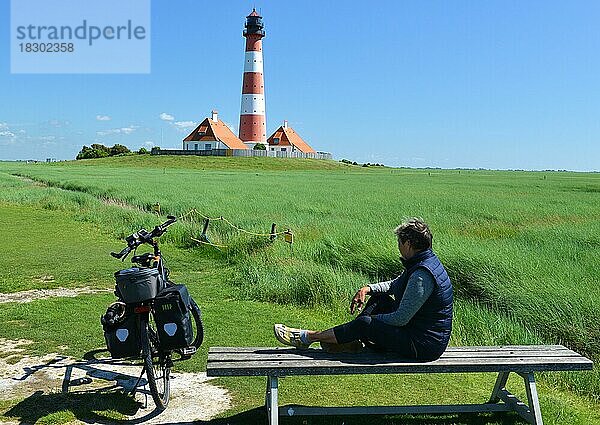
279	362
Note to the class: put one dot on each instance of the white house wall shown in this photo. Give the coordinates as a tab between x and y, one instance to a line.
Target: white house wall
202	145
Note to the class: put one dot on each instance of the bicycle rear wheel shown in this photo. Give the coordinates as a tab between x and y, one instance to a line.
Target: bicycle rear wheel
199	331
156	363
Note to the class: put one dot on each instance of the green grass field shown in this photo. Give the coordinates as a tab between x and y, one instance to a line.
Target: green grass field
521	248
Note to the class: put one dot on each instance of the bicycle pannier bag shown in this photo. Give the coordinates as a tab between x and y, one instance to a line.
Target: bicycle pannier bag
136	284
173	318
122	339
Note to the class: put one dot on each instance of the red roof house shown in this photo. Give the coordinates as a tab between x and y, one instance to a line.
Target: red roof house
285	139
212	134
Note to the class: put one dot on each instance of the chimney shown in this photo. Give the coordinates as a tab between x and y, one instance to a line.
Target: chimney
285	124
215	115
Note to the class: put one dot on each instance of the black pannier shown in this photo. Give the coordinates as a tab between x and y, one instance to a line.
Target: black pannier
173	318
136	284
123	339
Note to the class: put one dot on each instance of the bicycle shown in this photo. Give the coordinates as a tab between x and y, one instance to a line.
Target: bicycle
136	324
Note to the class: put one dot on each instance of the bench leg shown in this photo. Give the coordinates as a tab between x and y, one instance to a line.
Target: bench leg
532	398
271	400
500	385
532	412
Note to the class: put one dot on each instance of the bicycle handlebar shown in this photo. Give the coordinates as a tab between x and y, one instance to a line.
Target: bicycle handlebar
142	236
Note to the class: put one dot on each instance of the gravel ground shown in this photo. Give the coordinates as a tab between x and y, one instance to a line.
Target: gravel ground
193	396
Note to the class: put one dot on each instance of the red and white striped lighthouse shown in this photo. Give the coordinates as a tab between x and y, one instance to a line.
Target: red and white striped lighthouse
253	124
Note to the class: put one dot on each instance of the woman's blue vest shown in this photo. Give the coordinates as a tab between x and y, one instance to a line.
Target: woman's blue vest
430	327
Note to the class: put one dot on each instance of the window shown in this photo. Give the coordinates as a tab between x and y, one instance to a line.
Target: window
207	146
283	149
272	149
195	146
275	140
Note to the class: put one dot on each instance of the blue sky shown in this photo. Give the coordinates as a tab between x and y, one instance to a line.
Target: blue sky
507	85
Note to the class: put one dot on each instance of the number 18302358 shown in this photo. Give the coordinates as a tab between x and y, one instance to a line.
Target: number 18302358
46	47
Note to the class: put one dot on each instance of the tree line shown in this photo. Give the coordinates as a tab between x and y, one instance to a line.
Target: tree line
97	150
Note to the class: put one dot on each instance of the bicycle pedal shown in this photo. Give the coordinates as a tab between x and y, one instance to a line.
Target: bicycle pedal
188	351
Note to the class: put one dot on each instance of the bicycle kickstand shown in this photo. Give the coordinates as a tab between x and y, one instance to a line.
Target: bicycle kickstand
135	387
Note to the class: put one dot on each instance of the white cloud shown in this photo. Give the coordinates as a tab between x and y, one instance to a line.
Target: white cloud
167	117
103	118
47	138
128	130
182	125
108	132
123	130
7	138
149	144
3	125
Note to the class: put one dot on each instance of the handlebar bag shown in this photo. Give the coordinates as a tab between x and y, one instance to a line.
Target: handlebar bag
123	339
137	284
173	318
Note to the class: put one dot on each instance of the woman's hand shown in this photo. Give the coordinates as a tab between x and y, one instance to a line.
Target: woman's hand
358	301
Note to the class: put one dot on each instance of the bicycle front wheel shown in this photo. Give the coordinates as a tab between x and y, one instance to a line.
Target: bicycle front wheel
156	363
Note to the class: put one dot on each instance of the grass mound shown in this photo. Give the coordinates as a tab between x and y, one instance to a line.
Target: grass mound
213	163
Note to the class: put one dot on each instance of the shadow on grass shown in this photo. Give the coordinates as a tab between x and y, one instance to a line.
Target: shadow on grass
257	416
85	406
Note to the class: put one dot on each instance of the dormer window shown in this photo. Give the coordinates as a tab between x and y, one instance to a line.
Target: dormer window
275	140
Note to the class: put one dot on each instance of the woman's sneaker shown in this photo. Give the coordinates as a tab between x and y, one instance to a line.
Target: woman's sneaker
289	336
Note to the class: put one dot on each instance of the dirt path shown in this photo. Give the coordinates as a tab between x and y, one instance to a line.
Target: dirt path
38	294
40	381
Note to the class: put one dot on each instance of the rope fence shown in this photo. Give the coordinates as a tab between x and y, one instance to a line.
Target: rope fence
204	239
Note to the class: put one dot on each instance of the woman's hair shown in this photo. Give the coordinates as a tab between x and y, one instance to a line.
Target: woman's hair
416	231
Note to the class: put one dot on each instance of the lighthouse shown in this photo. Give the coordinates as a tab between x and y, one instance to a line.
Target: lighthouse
253	123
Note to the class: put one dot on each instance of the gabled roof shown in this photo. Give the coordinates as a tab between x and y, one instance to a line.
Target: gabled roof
225	135
283	141
287	136
210	130
254	13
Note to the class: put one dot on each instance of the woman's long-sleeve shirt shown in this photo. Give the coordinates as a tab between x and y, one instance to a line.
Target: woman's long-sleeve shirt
419	287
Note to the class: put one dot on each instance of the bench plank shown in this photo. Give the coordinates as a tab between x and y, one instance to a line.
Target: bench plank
285	361
320	354
461	348
333	367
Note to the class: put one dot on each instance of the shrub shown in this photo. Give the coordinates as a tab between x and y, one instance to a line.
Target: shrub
92	152
118	149
98	150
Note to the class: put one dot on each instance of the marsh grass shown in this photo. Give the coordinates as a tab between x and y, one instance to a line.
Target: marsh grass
521	247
